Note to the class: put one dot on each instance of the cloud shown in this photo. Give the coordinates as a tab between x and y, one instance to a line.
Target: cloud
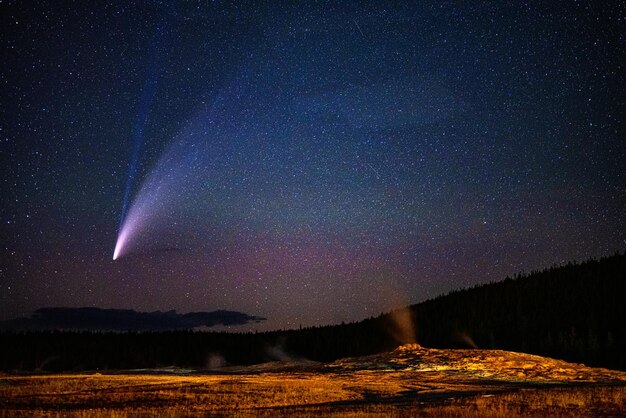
124	320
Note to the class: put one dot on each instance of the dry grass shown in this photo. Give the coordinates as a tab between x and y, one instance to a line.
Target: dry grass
554	402
357	394
411	381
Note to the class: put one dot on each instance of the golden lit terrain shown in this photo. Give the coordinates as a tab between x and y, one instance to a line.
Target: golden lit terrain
409	380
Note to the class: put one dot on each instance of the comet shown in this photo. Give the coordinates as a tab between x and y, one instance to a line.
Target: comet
174	180
181	176
130	227
143	113
148	206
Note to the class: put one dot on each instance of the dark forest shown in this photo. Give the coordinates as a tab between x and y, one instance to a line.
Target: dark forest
573	312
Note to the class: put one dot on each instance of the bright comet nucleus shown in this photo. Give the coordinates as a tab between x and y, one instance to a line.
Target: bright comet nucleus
118	248
119	245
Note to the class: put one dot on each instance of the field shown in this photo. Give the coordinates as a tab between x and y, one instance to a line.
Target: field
408	381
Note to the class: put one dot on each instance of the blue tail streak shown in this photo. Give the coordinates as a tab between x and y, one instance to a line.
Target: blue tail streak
141	121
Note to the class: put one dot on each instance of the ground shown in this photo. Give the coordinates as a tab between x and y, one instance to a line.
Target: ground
408	381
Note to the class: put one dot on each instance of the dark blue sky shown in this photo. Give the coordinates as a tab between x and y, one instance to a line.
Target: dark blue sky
310	163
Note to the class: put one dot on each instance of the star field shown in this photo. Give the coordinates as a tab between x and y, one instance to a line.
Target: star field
311	163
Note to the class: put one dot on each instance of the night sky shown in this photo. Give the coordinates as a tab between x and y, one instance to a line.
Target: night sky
310	163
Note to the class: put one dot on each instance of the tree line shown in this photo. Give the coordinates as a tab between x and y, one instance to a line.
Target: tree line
573	312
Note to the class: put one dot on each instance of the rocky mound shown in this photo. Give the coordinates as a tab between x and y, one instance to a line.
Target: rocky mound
476	363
